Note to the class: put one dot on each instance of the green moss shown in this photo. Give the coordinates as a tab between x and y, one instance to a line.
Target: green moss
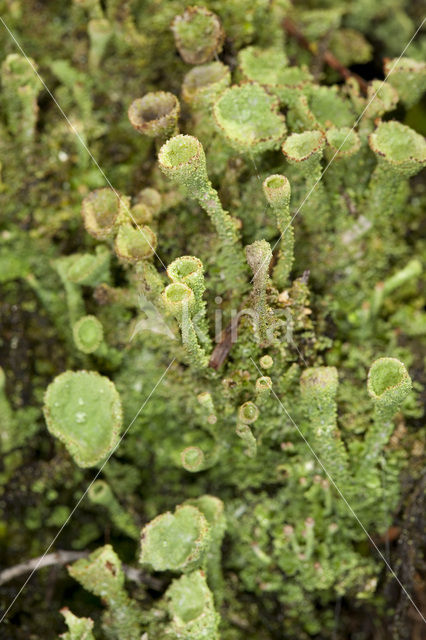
332	290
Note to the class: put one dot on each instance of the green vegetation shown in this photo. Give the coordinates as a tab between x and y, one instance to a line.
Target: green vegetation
212	319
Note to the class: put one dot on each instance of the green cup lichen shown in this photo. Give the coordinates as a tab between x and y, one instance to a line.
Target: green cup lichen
248	118
155	115
265	66
133	245
348	291
408	76
78	628
100	211
277	192
102	574
182	158
88	334
400	153
193	459
100	33
83	410
198	35
203	84
388	383
192	609
175	542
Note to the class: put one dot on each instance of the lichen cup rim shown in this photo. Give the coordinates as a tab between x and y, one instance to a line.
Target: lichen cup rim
144	233
203	76
338	149
376	144
186	143
258	53
242	141
198	460
92	220
216	44
167	519
97	335
71	443
153	111
318	143
394	380
320	379
175	272
171	293
253	414
284	183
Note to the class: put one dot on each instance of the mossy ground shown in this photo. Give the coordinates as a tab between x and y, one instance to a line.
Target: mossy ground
41	189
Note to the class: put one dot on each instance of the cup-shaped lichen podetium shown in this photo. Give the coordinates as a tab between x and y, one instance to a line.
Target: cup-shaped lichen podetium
388	383
305	149
202	85
408	76
178	298
100	32
155	115
248	413
102	574
83	410
20	87
278	192
381	98
190	271
321	108
77	627
198	35
399	148
90	269
263	389
175	542
191	608
100	210
318	386
151	199
192	459
182	159
265	66
147	206
269	68
101	493
133	245
341	143
180	301
88	334
248	118
400	153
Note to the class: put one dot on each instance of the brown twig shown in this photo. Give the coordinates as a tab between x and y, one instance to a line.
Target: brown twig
50	559
223	347
65	557
326	55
